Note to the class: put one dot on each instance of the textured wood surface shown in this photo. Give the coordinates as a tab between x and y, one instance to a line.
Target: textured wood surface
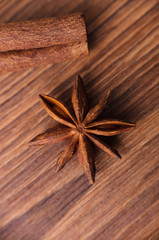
36	203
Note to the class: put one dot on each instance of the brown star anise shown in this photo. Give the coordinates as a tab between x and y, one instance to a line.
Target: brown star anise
80	129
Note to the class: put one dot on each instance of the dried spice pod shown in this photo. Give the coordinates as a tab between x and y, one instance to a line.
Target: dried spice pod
82	129
53	135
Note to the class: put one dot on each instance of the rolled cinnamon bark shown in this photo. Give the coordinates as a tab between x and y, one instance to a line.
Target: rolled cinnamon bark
16	60
45	41
42	32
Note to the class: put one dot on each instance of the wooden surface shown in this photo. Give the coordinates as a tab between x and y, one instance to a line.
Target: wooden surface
36	203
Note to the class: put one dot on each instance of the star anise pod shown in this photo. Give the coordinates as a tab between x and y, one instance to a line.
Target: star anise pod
81	128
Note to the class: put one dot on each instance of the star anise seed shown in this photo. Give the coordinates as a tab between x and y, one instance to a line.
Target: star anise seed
81	128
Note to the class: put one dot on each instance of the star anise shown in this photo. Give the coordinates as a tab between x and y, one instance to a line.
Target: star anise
81	128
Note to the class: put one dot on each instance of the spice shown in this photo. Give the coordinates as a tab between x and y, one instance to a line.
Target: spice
42	33
43	41
81	128
16	60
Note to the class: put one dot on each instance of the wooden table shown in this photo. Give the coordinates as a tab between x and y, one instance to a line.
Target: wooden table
36	203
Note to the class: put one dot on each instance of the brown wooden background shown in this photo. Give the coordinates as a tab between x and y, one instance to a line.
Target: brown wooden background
36	203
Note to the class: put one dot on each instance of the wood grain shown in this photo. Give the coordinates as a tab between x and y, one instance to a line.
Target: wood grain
36	203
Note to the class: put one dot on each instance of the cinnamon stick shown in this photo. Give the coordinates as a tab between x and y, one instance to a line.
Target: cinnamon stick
45	41
42	32
21	59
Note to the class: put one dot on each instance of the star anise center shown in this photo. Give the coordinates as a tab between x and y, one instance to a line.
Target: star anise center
80	128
